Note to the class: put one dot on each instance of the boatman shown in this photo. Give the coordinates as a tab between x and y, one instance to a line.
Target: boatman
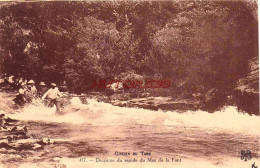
31	92
42	89
20	98
53	94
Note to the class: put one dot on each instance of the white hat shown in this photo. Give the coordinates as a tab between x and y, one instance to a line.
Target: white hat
53	84
31	82
42	84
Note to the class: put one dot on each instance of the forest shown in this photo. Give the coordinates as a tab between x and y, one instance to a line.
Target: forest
199	45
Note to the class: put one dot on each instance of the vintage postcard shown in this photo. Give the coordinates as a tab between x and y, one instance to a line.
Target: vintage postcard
129	84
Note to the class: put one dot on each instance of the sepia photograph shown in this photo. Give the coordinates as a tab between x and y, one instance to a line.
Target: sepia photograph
129	84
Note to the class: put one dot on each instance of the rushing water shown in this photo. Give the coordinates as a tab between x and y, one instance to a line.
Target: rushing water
98	130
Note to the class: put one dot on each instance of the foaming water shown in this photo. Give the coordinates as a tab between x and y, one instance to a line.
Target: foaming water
39	112
228	119
100	113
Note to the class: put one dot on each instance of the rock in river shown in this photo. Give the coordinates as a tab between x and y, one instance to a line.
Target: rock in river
14	136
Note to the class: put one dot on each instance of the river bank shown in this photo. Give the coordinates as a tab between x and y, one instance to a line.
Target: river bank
146	102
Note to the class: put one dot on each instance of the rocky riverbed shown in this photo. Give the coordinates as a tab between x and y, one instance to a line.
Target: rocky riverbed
14	136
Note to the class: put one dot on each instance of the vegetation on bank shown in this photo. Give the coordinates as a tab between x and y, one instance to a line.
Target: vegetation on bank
199	45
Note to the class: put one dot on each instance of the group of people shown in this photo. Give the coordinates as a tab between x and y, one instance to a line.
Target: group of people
27	91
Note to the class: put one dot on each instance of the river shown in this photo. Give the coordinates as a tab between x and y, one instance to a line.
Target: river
93	134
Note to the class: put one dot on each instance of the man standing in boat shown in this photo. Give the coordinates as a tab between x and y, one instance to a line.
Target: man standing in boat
53	94
42	89
30	92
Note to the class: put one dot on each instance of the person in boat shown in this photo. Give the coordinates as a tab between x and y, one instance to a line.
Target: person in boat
11	81
31	91
42	89
33	88
20	97
53	94
20	82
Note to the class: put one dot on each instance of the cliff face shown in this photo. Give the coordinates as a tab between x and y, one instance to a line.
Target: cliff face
250	83
247	91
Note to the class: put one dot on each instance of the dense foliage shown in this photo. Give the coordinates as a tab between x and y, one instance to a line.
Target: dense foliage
198	44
